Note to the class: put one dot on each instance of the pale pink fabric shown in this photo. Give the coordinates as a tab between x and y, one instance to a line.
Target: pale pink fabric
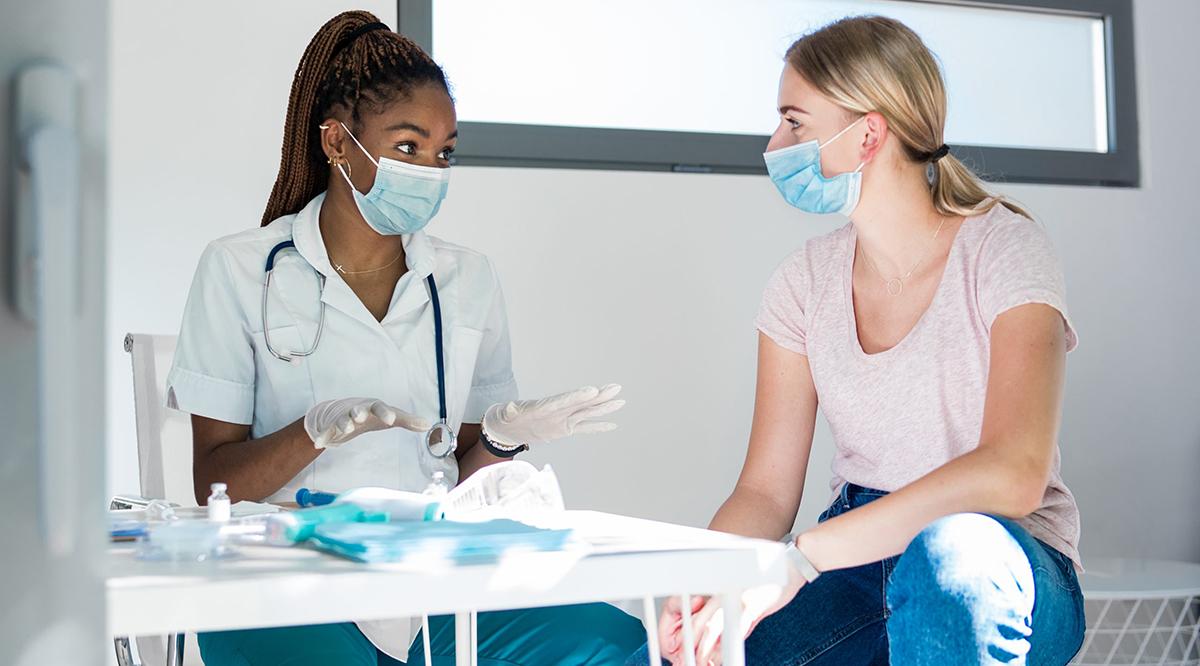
899	414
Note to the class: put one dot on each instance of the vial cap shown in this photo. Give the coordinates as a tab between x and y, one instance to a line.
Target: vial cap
218	487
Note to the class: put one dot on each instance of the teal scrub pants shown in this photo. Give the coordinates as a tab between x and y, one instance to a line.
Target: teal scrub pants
584	635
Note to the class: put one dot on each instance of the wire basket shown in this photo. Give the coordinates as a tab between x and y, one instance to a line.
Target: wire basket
1156	626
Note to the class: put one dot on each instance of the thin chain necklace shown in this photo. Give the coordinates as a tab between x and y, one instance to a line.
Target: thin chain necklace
371	270
895	286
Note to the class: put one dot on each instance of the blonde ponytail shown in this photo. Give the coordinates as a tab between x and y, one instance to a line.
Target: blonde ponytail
874	63
958	191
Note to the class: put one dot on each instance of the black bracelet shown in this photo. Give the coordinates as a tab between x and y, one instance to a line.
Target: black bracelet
499	450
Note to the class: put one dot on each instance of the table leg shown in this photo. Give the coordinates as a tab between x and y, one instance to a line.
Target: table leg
425	640
176	659
733	649
474	638
689	633
124	652
650	620
463	650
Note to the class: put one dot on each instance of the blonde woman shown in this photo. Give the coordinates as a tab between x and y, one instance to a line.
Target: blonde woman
932	331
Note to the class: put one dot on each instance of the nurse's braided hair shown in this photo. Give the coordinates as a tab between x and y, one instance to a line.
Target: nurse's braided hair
353	61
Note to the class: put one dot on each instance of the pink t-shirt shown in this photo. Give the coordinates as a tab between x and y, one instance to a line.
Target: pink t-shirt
901	413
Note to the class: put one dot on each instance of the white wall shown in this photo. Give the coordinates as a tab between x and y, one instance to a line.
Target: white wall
652	280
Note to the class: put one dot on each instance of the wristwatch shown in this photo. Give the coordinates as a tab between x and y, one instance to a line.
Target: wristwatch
799	559
497	449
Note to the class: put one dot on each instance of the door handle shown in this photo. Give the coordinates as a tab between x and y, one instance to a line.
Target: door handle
48	279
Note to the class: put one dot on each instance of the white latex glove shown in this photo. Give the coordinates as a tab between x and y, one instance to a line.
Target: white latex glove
548	419
334	422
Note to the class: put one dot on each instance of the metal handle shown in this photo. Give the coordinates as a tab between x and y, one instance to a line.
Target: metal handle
48	278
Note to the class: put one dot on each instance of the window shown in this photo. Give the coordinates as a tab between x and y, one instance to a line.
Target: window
1039	91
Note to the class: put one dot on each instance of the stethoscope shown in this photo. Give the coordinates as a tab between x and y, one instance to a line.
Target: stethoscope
440	440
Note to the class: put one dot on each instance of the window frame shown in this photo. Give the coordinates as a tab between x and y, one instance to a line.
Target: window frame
521	145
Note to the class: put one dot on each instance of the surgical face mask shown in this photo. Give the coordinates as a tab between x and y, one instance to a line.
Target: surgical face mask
404	197
796	172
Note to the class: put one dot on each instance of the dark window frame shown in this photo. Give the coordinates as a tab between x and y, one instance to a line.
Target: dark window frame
518	145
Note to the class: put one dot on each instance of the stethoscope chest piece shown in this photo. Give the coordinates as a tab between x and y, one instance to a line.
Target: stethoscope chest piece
441	440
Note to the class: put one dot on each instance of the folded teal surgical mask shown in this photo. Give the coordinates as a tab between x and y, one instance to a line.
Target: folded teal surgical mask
404	197
796	172
399	541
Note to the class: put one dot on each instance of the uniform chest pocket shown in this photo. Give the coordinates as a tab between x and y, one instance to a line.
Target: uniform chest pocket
462	351
282	389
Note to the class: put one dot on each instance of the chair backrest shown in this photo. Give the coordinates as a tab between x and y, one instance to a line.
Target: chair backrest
164	435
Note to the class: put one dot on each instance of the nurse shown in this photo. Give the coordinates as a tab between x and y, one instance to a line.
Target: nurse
366	334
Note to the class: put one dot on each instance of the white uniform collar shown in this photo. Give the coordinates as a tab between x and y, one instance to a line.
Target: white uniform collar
306	234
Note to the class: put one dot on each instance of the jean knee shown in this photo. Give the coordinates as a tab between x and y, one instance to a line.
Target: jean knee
964	558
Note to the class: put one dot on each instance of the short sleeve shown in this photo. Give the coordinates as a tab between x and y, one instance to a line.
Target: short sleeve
782	310
1017	266
493	380
212	374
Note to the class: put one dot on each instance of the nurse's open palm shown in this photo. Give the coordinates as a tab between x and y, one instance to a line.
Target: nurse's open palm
537	421
334	422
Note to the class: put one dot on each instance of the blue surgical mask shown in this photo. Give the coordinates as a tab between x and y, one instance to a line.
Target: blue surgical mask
404	197
796	172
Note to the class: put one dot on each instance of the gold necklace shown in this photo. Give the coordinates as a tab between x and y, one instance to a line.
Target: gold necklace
372	270
895	286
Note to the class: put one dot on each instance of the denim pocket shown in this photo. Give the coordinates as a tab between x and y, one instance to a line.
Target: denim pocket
1064	578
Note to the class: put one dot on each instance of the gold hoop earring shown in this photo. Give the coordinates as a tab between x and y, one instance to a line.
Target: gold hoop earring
349	169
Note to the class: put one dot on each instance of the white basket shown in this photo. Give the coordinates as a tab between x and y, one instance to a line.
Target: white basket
1141	612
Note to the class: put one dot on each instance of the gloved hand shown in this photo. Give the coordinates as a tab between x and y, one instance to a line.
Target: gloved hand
334	422
537	421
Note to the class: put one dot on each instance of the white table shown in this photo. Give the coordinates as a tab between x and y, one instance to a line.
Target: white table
628	559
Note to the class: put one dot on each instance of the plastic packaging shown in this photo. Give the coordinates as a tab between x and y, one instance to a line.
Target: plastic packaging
515	490
182	540
160	510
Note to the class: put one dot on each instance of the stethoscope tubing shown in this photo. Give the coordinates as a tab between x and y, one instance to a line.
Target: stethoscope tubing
442	426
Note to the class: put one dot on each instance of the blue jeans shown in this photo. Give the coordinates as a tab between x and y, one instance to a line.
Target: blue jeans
588	634
970	589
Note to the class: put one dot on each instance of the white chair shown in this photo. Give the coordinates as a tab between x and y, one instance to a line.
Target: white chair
164	435
164	442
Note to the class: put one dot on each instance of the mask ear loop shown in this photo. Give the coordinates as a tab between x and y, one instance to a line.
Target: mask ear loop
360	147
839	134
345	176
